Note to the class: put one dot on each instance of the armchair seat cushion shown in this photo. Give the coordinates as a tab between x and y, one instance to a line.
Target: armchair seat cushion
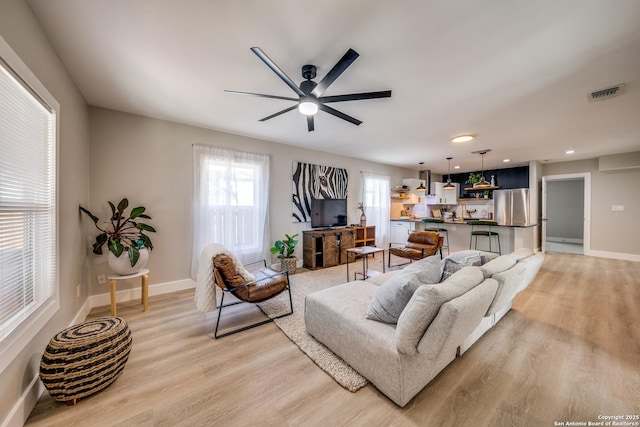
410	253
420	244
267	284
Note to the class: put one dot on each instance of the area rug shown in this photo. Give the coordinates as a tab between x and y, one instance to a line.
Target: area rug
293	326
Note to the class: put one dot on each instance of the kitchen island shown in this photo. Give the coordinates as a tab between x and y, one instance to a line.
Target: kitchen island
511	237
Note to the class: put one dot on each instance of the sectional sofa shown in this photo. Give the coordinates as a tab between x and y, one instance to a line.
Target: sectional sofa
400	329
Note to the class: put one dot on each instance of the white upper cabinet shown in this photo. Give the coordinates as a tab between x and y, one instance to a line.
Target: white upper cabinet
444	196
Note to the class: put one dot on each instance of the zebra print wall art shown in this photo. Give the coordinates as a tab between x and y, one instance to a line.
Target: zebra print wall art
315	182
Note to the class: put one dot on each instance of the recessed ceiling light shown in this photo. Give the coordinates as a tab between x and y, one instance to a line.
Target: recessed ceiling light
569	151
462	138
506	160
456	167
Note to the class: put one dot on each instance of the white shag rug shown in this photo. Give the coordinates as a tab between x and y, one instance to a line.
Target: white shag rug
293	326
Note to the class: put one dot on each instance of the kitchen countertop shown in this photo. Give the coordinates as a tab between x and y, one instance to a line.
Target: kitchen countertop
464	222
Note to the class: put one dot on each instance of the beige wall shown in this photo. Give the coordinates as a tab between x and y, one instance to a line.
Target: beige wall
150	162
611	232
20	29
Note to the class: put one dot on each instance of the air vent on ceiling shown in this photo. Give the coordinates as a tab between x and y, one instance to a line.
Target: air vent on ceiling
607	93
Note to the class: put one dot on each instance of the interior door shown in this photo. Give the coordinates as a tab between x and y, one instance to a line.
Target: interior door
586	217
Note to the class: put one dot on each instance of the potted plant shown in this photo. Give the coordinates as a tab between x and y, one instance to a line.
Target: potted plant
123	233
285	249
474	178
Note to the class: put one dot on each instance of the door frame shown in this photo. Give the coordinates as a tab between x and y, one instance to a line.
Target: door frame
586	231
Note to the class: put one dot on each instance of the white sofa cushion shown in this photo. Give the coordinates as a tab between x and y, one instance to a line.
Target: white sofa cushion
533	264
502	263
509	282
392	296
425	304
521	253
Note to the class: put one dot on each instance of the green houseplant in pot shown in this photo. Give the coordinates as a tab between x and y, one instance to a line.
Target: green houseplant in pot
285	249
124	236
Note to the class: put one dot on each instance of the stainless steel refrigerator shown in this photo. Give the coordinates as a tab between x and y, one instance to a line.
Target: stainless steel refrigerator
511	207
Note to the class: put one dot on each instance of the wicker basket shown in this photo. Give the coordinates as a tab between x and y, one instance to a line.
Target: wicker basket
289	264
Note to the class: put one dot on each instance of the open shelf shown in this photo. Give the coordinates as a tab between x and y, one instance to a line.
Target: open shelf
482	188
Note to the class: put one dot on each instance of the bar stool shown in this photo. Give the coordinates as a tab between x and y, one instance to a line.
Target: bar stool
438	230
485	232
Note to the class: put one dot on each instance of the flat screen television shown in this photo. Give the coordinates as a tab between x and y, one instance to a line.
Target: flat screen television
328	212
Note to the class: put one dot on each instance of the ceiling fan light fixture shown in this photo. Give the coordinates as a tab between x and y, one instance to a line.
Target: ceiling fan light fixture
462	138
308	107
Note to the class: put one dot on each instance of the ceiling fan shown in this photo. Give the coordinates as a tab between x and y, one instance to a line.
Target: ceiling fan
310	98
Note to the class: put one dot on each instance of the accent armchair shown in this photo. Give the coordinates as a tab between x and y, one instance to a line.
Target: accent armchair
267	284
420	244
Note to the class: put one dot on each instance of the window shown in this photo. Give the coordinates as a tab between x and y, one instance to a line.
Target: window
28	261
376	199
231	194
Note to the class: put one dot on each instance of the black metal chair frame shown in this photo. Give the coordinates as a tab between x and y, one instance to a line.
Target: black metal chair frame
487	233
263	322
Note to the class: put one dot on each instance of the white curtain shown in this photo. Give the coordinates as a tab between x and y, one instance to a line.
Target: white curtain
377	203
230	203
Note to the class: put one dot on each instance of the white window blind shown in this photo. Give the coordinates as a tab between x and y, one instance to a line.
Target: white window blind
28	272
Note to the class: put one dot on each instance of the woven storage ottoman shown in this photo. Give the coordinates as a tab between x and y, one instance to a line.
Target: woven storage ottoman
85	358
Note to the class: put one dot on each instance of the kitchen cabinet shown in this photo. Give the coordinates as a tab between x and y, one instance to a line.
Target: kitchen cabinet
400	230
444	196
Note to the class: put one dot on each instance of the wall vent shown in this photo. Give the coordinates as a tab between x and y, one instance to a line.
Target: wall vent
610	92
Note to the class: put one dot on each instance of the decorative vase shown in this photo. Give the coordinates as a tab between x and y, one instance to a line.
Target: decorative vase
363	220
122	266
289	264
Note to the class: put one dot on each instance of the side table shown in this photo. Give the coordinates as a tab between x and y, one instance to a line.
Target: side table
113	278
364	252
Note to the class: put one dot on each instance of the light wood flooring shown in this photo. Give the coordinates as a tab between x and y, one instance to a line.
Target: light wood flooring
568	351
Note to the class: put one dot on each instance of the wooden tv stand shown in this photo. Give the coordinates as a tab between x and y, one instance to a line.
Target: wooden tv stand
323	248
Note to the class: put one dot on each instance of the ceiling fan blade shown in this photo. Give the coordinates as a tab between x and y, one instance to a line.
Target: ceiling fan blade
310	123
339	114
335	72
261	95
278	113
356	96
277	70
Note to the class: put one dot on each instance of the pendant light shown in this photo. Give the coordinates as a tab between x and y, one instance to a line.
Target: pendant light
449	185
421	187
483	182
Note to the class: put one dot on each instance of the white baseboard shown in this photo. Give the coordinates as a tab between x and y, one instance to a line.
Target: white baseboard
27	401
136	293
565	240
23	407
613	255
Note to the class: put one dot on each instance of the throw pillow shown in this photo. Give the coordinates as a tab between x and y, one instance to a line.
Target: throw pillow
451	266
462	255
428	269
392	296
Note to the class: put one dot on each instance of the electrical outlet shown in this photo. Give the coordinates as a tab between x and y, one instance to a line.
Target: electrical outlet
102	279
617	208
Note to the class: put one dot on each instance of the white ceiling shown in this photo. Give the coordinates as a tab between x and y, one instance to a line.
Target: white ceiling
514	73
